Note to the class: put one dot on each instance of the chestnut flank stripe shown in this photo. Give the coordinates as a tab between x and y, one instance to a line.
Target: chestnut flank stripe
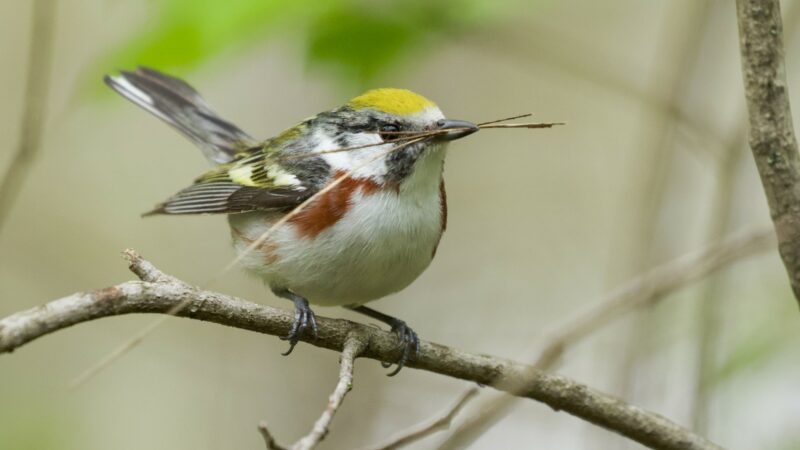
325	211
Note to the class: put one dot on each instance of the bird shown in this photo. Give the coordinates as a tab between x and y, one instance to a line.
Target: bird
370	173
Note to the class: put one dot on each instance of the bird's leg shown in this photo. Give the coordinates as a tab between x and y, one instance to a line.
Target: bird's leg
303	318
407	338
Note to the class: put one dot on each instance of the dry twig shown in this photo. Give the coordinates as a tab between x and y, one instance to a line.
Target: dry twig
354	344
269	440
558	392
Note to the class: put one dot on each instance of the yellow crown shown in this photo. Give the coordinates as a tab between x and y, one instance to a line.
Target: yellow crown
392	101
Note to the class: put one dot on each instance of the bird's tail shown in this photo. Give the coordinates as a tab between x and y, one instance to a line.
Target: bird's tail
179	105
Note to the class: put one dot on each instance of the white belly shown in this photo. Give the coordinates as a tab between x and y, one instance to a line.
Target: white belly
383	243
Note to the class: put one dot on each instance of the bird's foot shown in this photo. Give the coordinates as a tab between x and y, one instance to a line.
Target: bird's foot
406	337
409	341
304	319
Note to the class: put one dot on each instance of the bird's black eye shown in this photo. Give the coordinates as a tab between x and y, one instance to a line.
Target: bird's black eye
389	131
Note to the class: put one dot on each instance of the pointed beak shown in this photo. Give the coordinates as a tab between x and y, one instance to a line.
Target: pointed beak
461	128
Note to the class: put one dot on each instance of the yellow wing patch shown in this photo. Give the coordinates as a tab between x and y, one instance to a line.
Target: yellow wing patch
242	175
392	101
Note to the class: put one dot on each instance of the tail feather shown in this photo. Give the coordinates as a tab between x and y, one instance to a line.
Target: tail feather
175	102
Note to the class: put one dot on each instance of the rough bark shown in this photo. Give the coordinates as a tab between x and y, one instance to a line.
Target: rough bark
772	138
161	293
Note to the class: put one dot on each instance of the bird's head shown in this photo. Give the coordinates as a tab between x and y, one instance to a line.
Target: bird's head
388	117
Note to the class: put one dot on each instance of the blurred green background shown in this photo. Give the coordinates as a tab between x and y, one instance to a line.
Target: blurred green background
650	166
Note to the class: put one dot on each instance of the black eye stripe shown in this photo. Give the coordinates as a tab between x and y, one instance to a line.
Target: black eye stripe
360	127
370	125
378	125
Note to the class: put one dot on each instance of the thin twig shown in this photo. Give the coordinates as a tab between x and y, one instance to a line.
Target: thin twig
506	119
406	135
269	440
644	290
476	424
430	426
33	117
523	125
482	126
354	344
558	392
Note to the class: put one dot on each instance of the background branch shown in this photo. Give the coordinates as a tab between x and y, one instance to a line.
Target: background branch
644	290
38	81
558	392
429	427
772	138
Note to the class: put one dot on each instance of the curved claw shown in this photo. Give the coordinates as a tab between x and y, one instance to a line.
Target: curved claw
407	339
303	319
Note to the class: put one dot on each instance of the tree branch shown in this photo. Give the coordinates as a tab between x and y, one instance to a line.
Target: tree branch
772	138
353	346
558	392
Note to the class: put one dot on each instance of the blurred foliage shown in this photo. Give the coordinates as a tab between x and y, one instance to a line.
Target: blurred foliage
755	349
354	40
30	426
767	335
791	443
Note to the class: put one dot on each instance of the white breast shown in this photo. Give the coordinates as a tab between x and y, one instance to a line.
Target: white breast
383	243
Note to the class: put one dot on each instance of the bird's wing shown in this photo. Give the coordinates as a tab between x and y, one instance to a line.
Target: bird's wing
254	181
178	104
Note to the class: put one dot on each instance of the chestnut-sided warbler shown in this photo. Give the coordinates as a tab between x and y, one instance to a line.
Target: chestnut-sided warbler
370	235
